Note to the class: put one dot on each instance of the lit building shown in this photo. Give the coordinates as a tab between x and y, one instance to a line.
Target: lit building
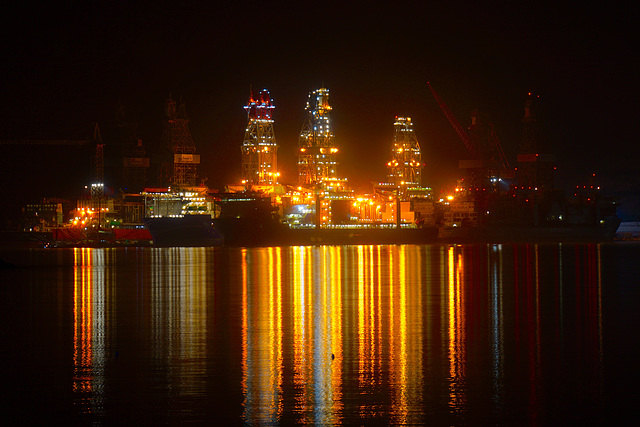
405	167
259	149
317	149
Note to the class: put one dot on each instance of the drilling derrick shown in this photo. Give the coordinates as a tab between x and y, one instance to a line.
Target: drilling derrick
97	184
535	171
135	161
317	150
178	140
259	149
405	166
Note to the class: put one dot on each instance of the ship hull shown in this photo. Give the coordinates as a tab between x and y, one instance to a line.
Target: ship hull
189	230
248	232
507	234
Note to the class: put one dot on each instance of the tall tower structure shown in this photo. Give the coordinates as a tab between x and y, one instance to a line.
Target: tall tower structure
535	171
178	140
405	166
317	149
135	161
259	149
97	186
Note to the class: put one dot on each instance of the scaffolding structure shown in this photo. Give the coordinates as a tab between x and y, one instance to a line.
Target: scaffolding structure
180	145
316	145
135	165
259	149
535	171
405	167
135	161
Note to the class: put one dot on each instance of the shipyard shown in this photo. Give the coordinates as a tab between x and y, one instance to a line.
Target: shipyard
342	140
169	204
319	213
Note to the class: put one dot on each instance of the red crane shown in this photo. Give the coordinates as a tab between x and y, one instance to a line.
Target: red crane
452	119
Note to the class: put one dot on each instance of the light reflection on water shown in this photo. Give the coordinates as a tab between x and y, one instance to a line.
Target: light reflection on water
338	334
89	319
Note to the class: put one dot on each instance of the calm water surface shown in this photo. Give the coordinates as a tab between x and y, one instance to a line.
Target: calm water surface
326	335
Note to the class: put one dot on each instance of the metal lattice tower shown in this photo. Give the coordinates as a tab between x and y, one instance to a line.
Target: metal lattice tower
259	149
178	140
487	149
136	163
535	171
97	184
405	166
529	144
317	149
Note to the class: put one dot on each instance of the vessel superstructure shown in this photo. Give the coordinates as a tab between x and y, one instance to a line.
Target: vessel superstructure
181	217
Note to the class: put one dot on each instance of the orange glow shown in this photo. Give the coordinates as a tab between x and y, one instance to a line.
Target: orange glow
82	321
262	333
457	356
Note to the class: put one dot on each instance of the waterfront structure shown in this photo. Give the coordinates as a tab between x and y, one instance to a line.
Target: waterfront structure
135	165
259	149
43	215
179	168
316	146
405	167
535	171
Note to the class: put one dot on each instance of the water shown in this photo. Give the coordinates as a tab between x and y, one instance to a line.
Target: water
326	335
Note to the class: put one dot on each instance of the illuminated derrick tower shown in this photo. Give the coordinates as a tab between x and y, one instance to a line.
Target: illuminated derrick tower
259	149
317	150
405	166
179	143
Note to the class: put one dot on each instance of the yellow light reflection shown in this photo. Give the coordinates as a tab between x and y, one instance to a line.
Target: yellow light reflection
406	353
262	334
317	324
179	316
457	375
370	336
355	313
89	329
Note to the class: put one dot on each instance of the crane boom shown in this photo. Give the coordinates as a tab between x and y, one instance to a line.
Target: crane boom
56	142
502	159
52	142
452	119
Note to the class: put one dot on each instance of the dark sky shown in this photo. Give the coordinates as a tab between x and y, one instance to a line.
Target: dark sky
68	65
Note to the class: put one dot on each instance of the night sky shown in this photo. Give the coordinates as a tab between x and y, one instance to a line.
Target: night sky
67	66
